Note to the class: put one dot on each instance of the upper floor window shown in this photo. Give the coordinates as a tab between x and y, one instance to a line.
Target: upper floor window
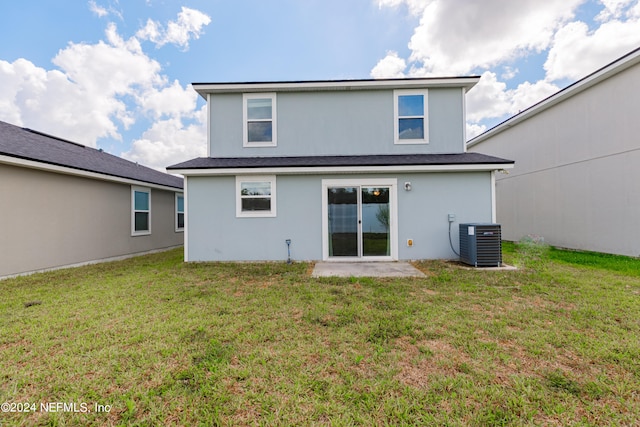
179	212
259	120
141	211
410	109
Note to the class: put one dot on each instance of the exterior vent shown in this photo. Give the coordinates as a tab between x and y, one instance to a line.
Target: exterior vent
481	245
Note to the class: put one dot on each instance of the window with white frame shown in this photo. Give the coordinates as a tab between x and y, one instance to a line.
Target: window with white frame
256	196
179	212
259	114
140	211
410	109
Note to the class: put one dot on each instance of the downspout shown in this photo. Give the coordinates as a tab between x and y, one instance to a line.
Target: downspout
493	197
186	222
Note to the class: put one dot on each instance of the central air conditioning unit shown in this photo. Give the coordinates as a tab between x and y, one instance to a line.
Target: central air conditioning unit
481	245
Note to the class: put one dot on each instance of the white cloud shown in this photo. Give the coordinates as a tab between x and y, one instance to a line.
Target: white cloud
456	36
169	142
528	94
487	99
576	51
173	101
415	6
491	99
100	89
509	73
391	66
101	11
474	129
49	101
108	69
613	9
189	25
84	100
98	10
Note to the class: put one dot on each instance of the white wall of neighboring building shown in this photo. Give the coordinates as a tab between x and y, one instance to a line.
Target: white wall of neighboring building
576	180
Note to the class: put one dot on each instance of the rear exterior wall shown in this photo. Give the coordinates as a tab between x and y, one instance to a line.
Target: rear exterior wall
422	216
338	123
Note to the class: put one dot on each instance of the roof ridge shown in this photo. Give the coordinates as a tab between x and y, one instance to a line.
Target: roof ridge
54	137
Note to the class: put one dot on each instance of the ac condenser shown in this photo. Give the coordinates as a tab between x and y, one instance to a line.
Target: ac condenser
481	245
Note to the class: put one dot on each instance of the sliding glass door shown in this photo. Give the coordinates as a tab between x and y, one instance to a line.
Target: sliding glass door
358	219
375	210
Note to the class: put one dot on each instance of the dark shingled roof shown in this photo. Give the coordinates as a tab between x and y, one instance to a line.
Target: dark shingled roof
32	145
328	161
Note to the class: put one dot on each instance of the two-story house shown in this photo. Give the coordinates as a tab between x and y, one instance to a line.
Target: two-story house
342	170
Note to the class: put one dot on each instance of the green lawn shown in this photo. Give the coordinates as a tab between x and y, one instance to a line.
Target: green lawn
157	342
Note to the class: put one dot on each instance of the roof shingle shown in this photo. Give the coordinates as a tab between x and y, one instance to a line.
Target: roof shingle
328	161
28	144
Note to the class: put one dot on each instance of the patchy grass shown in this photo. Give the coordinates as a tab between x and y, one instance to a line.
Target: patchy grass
160	342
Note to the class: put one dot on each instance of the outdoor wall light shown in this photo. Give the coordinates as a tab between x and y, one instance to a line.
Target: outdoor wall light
407	186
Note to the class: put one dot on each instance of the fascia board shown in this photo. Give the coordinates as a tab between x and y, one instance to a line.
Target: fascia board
32	164
344	170
211	88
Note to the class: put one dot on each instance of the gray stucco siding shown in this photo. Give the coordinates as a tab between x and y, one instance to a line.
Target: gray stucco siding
57	220
216	234
446	121
337	123
423	211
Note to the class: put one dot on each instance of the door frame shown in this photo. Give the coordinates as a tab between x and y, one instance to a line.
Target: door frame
392	183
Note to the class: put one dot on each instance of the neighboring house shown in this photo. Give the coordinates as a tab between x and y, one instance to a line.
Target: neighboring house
65	204
344	170
577	180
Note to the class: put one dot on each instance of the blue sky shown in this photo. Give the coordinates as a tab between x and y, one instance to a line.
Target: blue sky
116	74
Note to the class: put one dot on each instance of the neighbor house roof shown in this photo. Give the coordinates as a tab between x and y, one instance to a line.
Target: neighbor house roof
325	164
29	148
630	59
466	82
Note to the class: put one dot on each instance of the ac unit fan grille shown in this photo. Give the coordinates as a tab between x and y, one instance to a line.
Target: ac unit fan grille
481	245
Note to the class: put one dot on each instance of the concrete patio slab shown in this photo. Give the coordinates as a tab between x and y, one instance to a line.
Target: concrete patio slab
365	269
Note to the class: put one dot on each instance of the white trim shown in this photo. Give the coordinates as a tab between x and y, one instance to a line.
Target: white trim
134	190
392	183
209	120
34	164
306	170
273	120
177	228
493	197
271	179
186	222
464	121
593	79
425	117
338	85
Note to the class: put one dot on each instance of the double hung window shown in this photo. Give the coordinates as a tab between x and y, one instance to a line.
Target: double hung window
141	211
259	113
256	196
179	212
411	117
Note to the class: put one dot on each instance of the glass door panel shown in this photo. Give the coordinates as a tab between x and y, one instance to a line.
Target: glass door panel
375	222
343	221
